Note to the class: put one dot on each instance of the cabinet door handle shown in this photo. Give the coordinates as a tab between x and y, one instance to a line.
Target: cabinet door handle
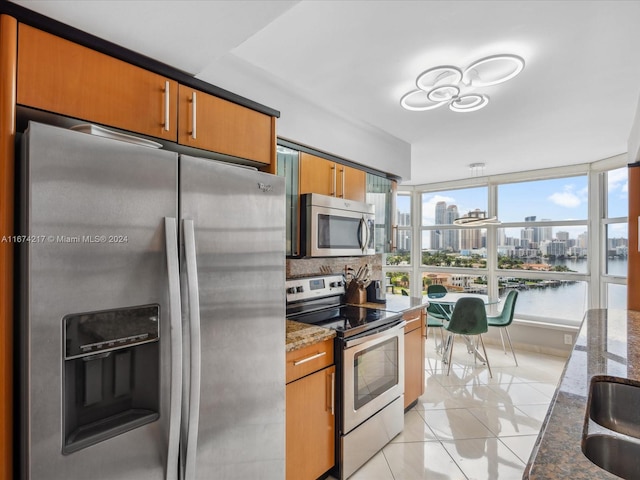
333	393
344	173
167	104
308	359
194	115
334	193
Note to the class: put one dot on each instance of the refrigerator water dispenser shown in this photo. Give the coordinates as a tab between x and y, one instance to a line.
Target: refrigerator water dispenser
111	373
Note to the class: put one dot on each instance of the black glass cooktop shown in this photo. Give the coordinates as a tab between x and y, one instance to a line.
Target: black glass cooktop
347	320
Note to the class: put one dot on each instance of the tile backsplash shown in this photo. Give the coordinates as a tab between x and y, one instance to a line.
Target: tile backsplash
307	267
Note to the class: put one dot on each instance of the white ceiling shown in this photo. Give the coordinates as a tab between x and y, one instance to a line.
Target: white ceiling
574	102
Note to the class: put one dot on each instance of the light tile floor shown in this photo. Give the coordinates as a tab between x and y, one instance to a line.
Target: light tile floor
468	425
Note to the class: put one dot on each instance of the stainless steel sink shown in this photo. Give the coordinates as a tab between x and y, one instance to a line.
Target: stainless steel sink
613	454
615	404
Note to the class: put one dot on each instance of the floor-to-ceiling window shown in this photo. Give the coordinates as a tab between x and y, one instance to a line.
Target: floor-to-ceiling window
561	232
614	227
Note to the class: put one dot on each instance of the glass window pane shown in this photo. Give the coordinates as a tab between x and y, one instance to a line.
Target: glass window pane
468	282
555	199
617	249
455	247
617	193
403	202
616	296
549	299
398	283
557	248
442	208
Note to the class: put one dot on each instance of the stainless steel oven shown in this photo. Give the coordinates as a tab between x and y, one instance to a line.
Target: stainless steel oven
336	227
369	349
372	411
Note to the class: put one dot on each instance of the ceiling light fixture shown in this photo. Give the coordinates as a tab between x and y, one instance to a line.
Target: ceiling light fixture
477	169
476	221
449	84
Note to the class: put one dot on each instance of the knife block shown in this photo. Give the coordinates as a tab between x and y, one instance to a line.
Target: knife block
355	294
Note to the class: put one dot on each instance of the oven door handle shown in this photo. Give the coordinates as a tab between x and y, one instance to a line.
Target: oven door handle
382	332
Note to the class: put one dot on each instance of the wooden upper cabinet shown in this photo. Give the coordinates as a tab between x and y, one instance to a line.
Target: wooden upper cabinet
60	76
214	124
352	183
319	175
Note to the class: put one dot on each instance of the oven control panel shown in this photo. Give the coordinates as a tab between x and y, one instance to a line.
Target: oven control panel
314	287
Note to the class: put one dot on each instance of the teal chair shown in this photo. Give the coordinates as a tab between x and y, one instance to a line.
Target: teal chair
468	318
435	314
505	318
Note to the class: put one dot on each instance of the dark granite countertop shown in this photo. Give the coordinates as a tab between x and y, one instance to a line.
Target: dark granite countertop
301	335
608	344
398	303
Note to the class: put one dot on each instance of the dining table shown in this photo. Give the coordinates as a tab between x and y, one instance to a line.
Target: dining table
445	303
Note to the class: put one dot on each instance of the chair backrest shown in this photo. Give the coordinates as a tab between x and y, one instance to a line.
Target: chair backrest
434	289
469	317
509	307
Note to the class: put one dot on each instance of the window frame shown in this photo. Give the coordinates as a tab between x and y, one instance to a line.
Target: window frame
595	225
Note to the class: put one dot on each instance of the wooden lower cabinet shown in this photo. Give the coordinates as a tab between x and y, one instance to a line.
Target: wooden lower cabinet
310	420
413	356
310	412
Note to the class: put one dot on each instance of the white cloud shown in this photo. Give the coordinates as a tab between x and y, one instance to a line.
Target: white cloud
617	179
568	198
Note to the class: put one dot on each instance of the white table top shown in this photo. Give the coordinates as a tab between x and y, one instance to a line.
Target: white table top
450	298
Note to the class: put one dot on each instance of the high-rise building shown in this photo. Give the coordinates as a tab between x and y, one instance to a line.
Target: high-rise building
436	235
472	238
451	236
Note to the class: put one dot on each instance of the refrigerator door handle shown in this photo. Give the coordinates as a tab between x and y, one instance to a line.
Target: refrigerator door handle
194	332
175	314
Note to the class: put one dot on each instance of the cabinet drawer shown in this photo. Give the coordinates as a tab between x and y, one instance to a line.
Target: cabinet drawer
309	359
413	319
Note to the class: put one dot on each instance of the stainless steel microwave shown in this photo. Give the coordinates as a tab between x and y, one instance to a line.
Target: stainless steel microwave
335	227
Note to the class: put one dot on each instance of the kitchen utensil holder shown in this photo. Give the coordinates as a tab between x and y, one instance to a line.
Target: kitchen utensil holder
356	294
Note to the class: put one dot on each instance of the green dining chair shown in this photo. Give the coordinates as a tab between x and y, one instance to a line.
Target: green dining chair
505	318
468	318
435	314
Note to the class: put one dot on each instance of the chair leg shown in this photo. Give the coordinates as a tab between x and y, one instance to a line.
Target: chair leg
502	340
511	346
439	348
484	350
451	336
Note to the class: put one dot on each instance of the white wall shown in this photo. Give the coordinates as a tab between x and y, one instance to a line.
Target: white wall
634	138
304	122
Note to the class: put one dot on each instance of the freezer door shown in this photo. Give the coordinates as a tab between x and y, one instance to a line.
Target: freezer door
238	218
94	210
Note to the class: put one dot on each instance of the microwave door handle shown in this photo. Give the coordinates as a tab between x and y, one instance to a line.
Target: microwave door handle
362	234
195	342
175	329
368	229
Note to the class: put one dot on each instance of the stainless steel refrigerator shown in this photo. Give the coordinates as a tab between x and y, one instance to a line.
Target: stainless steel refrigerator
152	313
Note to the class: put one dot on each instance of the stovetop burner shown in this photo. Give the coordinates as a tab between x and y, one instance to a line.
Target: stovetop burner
347	320
319	301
